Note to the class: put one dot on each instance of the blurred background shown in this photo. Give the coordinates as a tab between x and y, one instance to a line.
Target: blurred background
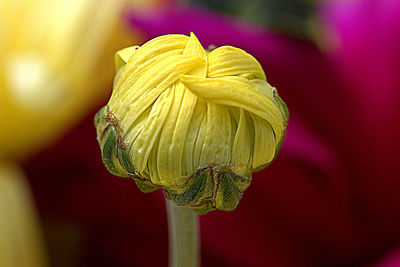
330	199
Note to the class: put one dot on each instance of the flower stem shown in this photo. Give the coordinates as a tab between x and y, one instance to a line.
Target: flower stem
184	238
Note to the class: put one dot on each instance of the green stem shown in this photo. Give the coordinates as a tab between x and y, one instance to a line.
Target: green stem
184	238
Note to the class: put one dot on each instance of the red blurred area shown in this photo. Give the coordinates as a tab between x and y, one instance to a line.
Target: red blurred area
331	197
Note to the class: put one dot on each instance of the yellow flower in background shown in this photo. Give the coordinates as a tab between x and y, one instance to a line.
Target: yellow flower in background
21	242
54	66
194	123
53	70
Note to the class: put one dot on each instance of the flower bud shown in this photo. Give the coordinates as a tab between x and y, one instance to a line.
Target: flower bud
195	123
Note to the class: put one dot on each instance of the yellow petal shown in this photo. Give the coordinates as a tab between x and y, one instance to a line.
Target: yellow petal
154	48
194	48
179	134
190	158
123	55
242	144
228	61
236	92
217	143
149	134
264	142
168	164
138	72
145	90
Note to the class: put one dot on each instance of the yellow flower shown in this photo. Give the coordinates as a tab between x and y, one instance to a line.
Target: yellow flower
53	66
21	241
194	123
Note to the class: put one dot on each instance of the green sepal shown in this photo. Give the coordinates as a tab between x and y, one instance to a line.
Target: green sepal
229	196
108	150
193	194
99	117
144	186
125	160
279	146
283	107
167	194
203	209
214	187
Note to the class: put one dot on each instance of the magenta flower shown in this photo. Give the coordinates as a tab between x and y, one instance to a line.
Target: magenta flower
330	199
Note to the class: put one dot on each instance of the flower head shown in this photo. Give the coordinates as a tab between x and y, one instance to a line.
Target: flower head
195	123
